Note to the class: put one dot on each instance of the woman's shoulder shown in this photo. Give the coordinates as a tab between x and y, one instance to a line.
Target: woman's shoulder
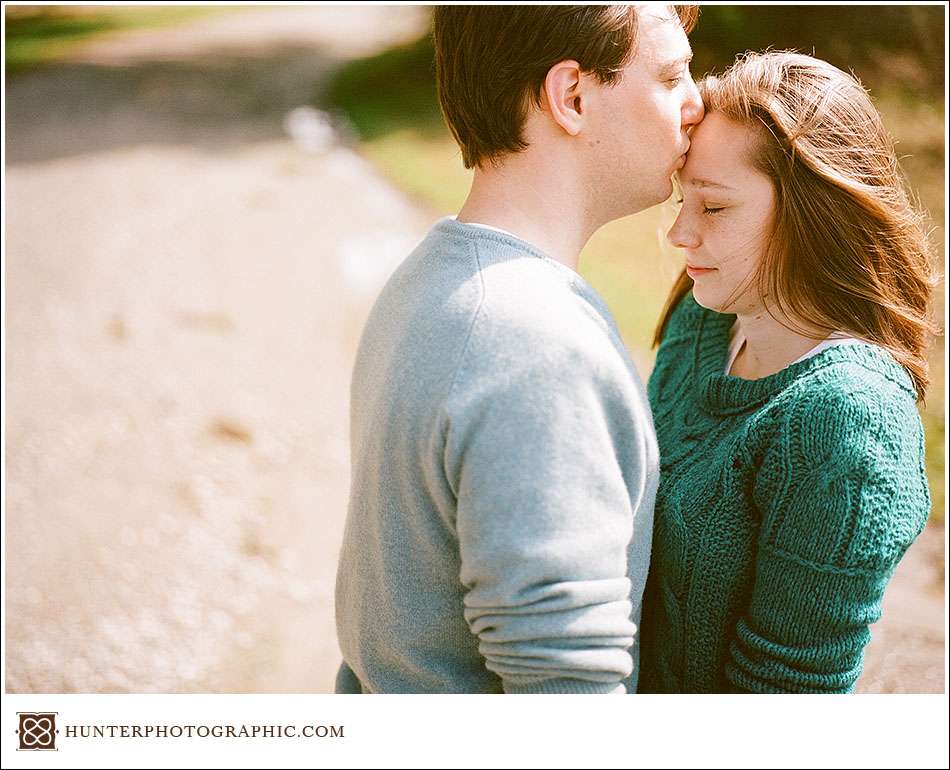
856	400
673	368
691	333
847	475
853	377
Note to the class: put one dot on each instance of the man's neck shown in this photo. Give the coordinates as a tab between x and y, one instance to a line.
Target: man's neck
534	205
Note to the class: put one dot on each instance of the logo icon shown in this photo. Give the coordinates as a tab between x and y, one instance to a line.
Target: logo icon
37	731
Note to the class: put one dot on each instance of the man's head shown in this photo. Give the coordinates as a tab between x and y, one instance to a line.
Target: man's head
604	89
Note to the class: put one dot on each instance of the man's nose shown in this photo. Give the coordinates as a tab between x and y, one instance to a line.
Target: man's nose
693	109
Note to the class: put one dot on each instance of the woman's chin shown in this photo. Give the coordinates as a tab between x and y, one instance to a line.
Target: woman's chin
704	299
713	300
717	306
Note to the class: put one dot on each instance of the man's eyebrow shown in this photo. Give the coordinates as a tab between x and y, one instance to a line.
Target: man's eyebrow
676	64
697	182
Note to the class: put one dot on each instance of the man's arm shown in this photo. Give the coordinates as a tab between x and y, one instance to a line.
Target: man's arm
544	520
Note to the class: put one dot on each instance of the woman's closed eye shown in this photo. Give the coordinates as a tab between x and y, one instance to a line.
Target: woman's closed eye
707	209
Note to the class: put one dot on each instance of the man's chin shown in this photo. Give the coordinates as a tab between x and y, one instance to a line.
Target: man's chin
668	190
662	195
644	199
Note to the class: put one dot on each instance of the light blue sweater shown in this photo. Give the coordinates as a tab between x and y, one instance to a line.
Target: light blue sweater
504	469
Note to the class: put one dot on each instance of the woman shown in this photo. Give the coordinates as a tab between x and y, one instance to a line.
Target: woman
784	395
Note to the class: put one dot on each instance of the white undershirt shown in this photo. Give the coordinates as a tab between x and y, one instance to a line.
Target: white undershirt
737	340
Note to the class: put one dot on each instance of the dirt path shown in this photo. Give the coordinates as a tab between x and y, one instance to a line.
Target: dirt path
186	286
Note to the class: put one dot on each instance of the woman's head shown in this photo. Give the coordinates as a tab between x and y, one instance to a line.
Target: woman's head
816	226
726	217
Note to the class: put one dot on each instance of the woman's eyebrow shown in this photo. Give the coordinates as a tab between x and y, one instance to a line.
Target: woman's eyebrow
697	182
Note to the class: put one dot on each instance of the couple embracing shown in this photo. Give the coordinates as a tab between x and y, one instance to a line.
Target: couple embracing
527	517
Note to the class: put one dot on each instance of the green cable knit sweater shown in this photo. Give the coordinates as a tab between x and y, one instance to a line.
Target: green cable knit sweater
784	505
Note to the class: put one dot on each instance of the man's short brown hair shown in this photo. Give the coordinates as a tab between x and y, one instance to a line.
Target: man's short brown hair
491	60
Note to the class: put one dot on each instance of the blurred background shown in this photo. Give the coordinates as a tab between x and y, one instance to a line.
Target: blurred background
201	204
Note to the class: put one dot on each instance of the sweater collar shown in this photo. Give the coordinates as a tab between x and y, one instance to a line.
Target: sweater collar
724	394
450	226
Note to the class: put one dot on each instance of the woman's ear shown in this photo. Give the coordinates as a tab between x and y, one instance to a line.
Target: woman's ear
562	96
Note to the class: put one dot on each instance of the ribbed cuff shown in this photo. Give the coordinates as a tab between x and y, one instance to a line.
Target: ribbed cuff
564	687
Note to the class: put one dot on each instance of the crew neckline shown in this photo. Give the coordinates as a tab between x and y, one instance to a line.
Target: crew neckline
487	227
722	393
450	226
737	340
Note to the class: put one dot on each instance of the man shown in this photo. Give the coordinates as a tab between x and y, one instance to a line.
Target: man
504	462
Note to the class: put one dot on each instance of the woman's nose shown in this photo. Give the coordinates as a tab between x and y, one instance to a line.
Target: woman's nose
681	235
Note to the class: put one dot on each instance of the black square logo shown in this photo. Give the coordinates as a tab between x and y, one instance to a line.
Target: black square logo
37	731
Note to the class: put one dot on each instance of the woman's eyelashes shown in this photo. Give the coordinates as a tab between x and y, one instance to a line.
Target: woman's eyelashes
707	209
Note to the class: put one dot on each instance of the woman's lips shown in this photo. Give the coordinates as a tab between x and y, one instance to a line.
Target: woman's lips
697	272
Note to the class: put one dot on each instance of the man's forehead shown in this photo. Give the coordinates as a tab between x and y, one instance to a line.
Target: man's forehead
659	16
660	36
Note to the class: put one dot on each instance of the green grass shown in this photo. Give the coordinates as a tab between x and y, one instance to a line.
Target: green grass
934	431
48	34
428	168
627	261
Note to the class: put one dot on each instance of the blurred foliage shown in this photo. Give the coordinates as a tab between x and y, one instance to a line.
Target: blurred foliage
882	42
935	436
391	91
38	35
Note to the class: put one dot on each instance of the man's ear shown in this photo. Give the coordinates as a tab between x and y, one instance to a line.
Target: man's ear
562	96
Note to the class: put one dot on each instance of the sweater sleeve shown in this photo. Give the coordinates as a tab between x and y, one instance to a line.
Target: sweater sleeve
544	520
847	496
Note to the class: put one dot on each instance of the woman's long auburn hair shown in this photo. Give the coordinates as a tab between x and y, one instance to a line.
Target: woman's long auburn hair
847	250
